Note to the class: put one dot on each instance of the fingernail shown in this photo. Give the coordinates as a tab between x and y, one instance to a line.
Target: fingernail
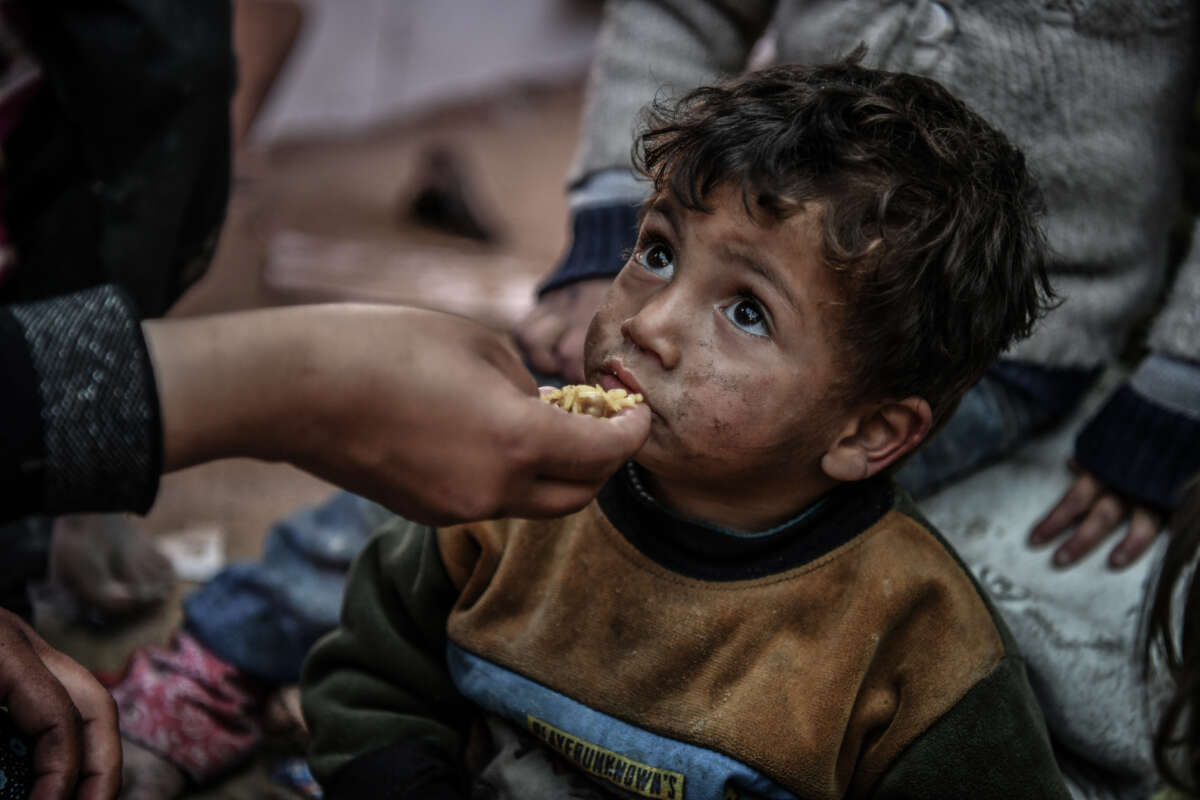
1119	558
1061	558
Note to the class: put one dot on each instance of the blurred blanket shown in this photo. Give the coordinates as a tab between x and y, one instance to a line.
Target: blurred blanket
199	702
1079	628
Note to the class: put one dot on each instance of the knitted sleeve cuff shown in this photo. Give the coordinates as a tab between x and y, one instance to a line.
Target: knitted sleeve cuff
21	436
600	237
101	435
1144	443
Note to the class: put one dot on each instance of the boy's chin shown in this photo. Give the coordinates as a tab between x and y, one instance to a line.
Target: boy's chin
662	466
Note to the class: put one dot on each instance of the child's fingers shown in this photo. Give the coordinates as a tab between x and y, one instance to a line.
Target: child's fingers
1105	514
538	337
1144	525
569	353
1074	504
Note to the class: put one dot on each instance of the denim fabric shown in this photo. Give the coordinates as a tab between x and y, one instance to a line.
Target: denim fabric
1011	402
263	617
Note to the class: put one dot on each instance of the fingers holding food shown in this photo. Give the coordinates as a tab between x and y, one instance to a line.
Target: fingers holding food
591	400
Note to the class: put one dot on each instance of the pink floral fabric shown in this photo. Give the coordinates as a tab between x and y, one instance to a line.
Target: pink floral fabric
190	707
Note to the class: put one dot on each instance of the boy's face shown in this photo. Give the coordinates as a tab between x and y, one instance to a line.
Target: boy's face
727	326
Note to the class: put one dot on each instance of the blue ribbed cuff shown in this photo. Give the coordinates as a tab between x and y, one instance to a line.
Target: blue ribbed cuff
1140	448
600	238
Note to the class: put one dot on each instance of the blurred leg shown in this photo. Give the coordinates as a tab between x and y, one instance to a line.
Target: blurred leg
1010	403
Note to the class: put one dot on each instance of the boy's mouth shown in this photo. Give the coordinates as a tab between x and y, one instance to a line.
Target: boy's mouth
614	376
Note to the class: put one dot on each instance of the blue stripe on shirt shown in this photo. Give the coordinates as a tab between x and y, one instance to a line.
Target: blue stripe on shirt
707	774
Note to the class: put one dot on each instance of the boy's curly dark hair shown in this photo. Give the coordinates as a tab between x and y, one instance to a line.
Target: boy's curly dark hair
928	213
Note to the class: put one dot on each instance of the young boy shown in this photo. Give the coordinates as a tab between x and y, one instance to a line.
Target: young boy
831	255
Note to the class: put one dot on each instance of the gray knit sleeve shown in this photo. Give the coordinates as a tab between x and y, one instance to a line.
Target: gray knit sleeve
1145	440
647	50
657	48
101	433
1176	330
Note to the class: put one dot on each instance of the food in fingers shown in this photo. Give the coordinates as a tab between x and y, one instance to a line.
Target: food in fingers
593	400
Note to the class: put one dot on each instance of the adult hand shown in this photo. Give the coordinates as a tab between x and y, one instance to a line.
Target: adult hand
1095	512
70	718
552	334
429	414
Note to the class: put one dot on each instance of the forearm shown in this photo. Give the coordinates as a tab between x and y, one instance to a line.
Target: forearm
428	414
234	384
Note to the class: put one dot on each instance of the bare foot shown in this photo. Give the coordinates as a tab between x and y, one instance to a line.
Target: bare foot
112	567
147	776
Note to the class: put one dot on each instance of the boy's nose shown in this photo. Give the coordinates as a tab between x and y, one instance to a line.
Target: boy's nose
653	330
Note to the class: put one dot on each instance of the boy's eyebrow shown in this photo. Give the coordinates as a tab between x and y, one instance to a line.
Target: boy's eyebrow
665	206
772	276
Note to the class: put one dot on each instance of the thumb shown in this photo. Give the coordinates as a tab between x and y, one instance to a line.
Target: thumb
633	426
589	449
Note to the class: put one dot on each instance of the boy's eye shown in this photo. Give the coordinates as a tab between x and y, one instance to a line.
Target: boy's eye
748	315
658	258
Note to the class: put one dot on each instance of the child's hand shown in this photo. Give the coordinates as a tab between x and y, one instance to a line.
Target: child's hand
552	334
1096	512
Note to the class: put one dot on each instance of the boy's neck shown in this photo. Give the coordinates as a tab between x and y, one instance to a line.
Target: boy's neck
744	509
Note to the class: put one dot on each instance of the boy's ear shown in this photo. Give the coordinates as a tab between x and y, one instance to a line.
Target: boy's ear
871	442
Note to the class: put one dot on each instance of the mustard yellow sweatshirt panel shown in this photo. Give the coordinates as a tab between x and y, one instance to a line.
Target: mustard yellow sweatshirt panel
813	675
